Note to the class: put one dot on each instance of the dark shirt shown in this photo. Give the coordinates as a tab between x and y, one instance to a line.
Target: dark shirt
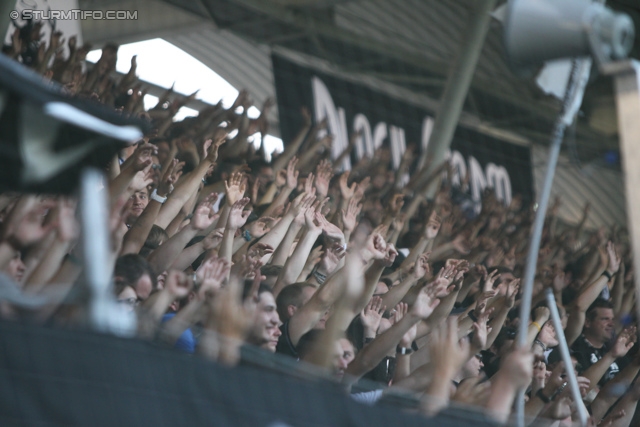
285	346
587	355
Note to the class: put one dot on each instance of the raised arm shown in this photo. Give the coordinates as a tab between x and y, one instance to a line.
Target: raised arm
295	263
202	218
369	357
136	236
188	185
588	296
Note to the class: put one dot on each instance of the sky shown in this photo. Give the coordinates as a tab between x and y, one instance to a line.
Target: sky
163	64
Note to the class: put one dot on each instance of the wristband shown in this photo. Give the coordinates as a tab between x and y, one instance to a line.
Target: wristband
541	344
321	278
472	316
537	325
404	351
246	235
414	346
606	273
542	397
154	196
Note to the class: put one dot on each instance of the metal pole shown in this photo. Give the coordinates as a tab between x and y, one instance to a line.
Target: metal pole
573	99
456	90
566	358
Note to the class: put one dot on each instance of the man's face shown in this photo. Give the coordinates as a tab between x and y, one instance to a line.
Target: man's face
348	351
15	268
339	361
472	367
140	201
602	325
264	332
265	175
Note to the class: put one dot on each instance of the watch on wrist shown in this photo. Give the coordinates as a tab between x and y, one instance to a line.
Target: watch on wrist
154	196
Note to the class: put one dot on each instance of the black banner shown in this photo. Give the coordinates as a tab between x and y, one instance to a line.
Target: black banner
351	106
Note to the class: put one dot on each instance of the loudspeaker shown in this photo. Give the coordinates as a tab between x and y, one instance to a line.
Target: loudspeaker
540	30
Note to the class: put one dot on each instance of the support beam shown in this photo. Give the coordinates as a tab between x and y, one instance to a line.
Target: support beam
458	85
627	86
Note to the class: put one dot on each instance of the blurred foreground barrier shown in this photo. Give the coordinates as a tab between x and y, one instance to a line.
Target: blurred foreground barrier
74	378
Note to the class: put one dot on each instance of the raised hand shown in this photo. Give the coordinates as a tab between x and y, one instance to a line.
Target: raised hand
421	267
481	330
390	255
425	303
301	203
210	276
331	258
238	216
330	230
448	354
141	157
361	188
614	258
518	367
213	239
26	223
308	184
259	250
350	217
324	173
489	280
235	187
312	221
346	191
170	177
396	203
371	316
375	246
177	284
142	179
623	343
433	226
204	215
292	173
260	227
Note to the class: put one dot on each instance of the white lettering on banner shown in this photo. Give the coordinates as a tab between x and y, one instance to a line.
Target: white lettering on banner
364	142
398	146
494	176
498	179
427	130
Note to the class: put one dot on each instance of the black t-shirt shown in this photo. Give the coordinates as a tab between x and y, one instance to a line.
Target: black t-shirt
587	355
285	346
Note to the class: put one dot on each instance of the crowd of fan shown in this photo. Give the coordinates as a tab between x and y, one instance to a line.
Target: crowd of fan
214	249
